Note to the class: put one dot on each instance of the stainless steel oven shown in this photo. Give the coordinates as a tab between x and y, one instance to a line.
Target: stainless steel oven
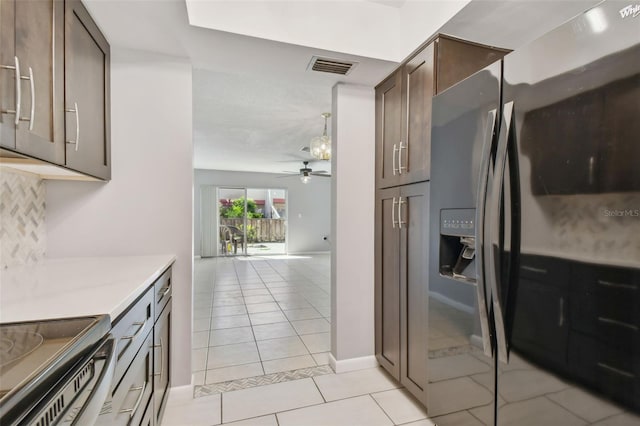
55	371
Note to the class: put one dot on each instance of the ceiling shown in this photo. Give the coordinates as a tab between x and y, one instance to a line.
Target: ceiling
254	102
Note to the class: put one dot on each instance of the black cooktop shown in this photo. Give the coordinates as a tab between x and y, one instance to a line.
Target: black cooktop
34	354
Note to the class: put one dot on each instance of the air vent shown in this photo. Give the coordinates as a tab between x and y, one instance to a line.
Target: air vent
333	66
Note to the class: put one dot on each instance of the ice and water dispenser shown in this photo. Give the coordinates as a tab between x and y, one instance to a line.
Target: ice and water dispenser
458	244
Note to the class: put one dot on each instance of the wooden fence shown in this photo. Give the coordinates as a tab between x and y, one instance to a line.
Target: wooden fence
260	230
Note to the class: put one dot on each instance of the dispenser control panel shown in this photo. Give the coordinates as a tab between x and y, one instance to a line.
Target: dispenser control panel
458	222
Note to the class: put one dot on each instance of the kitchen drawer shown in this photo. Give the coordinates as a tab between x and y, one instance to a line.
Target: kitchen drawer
130	331
613	372
131	397
547	270
162	292
605	301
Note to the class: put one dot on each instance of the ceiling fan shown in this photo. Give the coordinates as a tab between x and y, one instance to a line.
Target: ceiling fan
306	172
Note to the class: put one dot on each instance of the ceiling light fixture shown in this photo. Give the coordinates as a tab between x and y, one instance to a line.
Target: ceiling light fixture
320	146
305	178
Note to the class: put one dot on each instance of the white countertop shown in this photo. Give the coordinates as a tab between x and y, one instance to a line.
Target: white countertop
59	288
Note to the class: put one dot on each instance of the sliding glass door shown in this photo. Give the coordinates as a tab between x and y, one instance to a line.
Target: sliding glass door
243	221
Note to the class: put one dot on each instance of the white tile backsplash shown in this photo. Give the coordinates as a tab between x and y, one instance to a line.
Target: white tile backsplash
22	219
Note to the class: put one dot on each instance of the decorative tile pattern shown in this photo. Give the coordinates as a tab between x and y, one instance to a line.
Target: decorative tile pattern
268	379
22	219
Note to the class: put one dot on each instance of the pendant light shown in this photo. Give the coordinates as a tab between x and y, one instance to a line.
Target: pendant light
320	146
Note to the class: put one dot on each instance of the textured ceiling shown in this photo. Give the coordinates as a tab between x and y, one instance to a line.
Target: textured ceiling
243	123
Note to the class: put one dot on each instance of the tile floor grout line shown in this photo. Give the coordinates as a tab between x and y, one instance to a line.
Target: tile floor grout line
383	410
221	408
255	341
468	410
546	396
317	387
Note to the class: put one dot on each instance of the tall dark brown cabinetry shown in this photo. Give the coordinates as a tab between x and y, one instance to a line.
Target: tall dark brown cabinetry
55	79
403	145
401	293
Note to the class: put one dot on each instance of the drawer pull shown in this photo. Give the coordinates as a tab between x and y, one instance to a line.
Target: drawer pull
138	331
617	285
616	370
161	363
618	323
133	410
534	269
163	292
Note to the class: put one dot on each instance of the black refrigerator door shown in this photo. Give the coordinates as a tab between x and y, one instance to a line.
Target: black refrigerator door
570	290
460	365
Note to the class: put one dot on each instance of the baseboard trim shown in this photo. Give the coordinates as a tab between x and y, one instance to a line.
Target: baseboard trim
352	364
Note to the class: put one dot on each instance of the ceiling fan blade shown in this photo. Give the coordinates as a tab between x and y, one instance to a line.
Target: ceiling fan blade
320	174
287	176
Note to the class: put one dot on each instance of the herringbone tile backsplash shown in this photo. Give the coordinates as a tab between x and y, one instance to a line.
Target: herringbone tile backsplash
22	219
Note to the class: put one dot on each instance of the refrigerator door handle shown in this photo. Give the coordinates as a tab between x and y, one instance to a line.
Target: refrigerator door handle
481	205
492	246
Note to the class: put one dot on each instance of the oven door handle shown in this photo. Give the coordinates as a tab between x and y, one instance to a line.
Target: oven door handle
93	406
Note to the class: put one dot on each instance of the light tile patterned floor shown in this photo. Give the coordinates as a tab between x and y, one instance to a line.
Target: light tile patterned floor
358	398
260	315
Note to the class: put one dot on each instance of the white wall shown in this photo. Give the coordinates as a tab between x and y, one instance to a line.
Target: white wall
309	205
352	256
147	206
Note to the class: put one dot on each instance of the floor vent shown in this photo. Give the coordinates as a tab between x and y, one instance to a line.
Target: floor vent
334	66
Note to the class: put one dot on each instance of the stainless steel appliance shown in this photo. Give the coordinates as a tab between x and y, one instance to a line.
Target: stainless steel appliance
534	291
55	371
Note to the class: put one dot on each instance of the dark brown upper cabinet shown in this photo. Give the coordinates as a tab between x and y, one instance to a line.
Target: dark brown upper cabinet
31	83
54	86
403	105
87	99
586	143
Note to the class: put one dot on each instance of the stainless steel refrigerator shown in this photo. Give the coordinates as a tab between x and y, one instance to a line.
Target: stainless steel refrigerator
534	285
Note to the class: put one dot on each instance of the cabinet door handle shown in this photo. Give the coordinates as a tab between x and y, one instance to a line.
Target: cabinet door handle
534	269
617	285
561	316
138	331
132	411
75	142
161	364
16	68
400	166
400	221
393	213
32	85
393	161
163	292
